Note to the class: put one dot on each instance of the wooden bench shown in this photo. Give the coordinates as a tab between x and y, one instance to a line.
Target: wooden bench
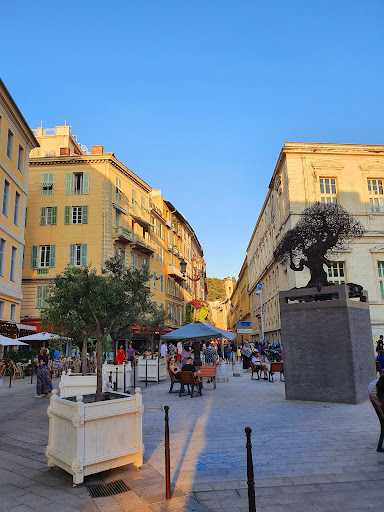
173	381
255	368
276	367
188	379
380	414
208	372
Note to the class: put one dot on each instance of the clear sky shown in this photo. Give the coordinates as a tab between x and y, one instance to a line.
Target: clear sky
198	96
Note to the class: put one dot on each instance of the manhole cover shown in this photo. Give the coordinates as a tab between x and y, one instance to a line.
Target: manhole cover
103	490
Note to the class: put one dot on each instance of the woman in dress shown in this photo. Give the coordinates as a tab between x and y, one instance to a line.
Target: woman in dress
120	355
43	382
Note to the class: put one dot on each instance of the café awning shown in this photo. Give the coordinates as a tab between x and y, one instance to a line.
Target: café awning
200	330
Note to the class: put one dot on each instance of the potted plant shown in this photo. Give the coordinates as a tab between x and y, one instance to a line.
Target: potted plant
90	304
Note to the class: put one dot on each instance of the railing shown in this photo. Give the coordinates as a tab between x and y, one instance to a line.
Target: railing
45	131
120	231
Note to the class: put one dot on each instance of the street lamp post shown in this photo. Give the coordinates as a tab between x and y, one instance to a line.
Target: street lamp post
260	294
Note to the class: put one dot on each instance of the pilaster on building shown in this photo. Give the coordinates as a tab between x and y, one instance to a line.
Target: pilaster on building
349	174
86	206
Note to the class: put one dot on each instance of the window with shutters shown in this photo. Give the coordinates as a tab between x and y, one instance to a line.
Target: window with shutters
134	260
41	296
77	183
78	255
162	283
12	273
2	256
119	193
376	199
161	251
45	252
154	280
380	269
12	313
16	209
2	308
168	285
134	199
47	184
76	214
162	306
336	273
20	159
48	216
10	144
328	191
4	208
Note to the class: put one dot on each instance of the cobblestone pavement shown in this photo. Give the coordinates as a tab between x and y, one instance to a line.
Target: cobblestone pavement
307	456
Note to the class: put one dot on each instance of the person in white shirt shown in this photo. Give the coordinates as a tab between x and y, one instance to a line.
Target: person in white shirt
179	351
259	363
163	349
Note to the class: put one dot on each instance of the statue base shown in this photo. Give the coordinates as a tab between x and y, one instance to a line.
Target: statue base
327	345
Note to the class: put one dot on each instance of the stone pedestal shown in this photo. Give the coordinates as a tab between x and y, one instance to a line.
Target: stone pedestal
327	345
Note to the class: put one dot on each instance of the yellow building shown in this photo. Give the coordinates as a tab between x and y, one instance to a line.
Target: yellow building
83	208
239	309
349	174
16	141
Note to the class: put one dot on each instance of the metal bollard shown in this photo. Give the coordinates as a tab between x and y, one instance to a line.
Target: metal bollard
167	457
134	373
158	369
117	380
32	370
146	372
125	378
250	476
10	376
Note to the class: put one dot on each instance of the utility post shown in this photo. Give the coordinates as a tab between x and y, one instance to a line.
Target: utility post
260	294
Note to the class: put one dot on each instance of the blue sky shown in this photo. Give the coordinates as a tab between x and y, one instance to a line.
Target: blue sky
198	96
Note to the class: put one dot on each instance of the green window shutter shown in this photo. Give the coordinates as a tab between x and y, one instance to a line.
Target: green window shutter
68	183
67	214
84	215
83	254
52	255
72	252
123	257
34	256
54	214
45	180
43	213
39	300
85	182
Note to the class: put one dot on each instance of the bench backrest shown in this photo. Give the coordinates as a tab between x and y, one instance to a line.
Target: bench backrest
276	367
186	377
207	371
173	378
378	408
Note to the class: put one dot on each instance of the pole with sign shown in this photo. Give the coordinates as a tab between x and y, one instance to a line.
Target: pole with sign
260	294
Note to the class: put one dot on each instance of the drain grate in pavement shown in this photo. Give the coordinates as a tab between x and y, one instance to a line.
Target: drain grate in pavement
103	490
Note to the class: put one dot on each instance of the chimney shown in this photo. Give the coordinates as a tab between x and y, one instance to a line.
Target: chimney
97	150
65	151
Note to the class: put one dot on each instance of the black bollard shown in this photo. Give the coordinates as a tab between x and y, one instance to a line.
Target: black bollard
125	378
158	369
32	370
117	380
10	376
146	372
167	457
250	476
134	373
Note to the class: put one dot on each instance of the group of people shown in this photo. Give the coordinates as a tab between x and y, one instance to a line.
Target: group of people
123	356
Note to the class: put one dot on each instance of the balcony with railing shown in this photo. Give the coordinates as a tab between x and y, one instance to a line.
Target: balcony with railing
124	235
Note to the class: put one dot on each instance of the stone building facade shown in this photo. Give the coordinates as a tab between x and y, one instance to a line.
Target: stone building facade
349	174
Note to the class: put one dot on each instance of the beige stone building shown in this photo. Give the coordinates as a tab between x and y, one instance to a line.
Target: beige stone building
16	141
239	309
349	174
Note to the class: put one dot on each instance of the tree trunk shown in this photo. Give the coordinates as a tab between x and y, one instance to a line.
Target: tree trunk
152	343
84	356
99	359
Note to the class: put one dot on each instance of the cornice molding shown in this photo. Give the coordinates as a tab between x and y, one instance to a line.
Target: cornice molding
328	164
346	149
372	165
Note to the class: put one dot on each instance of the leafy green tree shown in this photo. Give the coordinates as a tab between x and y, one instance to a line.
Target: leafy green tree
152	322
84	303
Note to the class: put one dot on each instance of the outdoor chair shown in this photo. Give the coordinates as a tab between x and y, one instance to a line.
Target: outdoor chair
187	379
380	414
173	381
256	369
276	367
209	372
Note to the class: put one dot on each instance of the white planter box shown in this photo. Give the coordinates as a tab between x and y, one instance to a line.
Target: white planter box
75	384
108	368
86	438
152	369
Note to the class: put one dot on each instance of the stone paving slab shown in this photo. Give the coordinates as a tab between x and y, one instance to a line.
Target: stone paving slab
307	456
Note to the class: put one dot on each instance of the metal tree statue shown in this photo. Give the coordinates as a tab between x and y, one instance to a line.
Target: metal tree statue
323	230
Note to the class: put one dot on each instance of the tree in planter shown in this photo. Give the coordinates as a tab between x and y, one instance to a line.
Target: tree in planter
152	322
85	302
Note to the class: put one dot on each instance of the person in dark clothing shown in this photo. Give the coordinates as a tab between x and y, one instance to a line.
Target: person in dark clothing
380	344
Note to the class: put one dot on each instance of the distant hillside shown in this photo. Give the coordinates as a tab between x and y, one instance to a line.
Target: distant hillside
216	289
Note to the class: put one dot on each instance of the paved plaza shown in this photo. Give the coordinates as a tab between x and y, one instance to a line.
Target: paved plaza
308	456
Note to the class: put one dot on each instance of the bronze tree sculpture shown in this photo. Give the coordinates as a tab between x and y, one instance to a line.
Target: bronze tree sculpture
323	230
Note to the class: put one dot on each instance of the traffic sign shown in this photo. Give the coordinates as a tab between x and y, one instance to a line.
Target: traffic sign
259	286
244	324
244	331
